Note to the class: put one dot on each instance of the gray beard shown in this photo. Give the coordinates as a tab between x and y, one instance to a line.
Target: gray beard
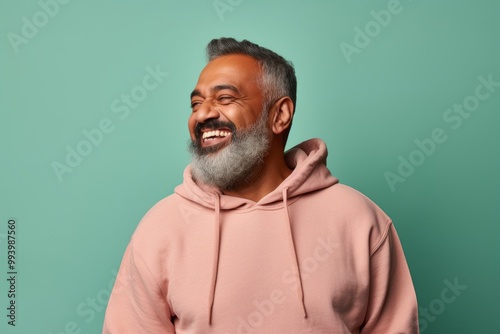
238	163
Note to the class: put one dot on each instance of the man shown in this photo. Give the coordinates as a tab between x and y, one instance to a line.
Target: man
257	240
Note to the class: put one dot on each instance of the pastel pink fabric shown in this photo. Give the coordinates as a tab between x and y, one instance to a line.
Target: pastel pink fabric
313	256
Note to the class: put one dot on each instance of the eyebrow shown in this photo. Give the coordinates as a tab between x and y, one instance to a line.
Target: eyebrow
217	88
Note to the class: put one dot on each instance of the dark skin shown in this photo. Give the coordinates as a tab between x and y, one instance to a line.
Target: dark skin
228	90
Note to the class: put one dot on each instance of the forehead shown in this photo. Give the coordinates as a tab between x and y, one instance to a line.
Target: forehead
233	69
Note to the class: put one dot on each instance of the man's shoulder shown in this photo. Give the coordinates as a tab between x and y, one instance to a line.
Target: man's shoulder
350	198
350	206
354	213
166	203
160	215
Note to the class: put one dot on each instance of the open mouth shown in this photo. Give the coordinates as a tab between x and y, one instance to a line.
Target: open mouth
215	137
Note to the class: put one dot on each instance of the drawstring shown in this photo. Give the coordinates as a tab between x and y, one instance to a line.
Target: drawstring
300	289
215	265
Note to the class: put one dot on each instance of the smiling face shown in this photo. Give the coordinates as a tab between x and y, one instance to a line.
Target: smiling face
228	126
226	99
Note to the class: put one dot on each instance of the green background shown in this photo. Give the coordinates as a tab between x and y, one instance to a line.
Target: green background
369	107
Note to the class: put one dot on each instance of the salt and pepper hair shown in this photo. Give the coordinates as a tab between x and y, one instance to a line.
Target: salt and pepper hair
240	162
278	75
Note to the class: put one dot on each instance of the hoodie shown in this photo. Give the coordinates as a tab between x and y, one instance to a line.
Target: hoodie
312	256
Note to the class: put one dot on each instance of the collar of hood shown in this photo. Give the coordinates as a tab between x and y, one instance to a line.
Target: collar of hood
307	160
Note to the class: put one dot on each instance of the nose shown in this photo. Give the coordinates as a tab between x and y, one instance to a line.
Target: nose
205	112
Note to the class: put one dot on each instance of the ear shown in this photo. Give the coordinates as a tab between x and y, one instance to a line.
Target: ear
282	112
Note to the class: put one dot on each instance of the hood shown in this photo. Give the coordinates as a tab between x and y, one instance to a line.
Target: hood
308	162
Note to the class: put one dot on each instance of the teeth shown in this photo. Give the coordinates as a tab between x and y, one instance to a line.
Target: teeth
215	133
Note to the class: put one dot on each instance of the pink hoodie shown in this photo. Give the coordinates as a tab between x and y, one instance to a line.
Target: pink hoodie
313	256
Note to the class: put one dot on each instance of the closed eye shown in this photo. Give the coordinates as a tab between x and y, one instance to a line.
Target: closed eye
224	99
195	104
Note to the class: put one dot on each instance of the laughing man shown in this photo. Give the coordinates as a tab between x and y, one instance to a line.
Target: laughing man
256	239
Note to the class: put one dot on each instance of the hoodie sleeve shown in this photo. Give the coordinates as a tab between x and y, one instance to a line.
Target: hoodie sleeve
137	303
392	304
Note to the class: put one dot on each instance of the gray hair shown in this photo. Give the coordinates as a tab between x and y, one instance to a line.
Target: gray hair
278	75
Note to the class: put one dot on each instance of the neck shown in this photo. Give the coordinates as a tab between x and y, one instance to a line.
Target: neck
273	172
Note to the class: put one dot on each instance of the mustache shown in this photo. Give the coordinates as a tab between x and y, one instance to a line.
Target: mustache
212	124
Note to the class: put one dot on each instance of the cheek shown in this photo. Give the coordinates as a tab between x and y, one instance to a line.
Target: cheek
241	118
191	126
244	121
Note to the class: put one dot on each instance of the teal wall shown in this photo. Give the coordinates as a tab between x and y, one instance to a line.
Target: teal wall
386	98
